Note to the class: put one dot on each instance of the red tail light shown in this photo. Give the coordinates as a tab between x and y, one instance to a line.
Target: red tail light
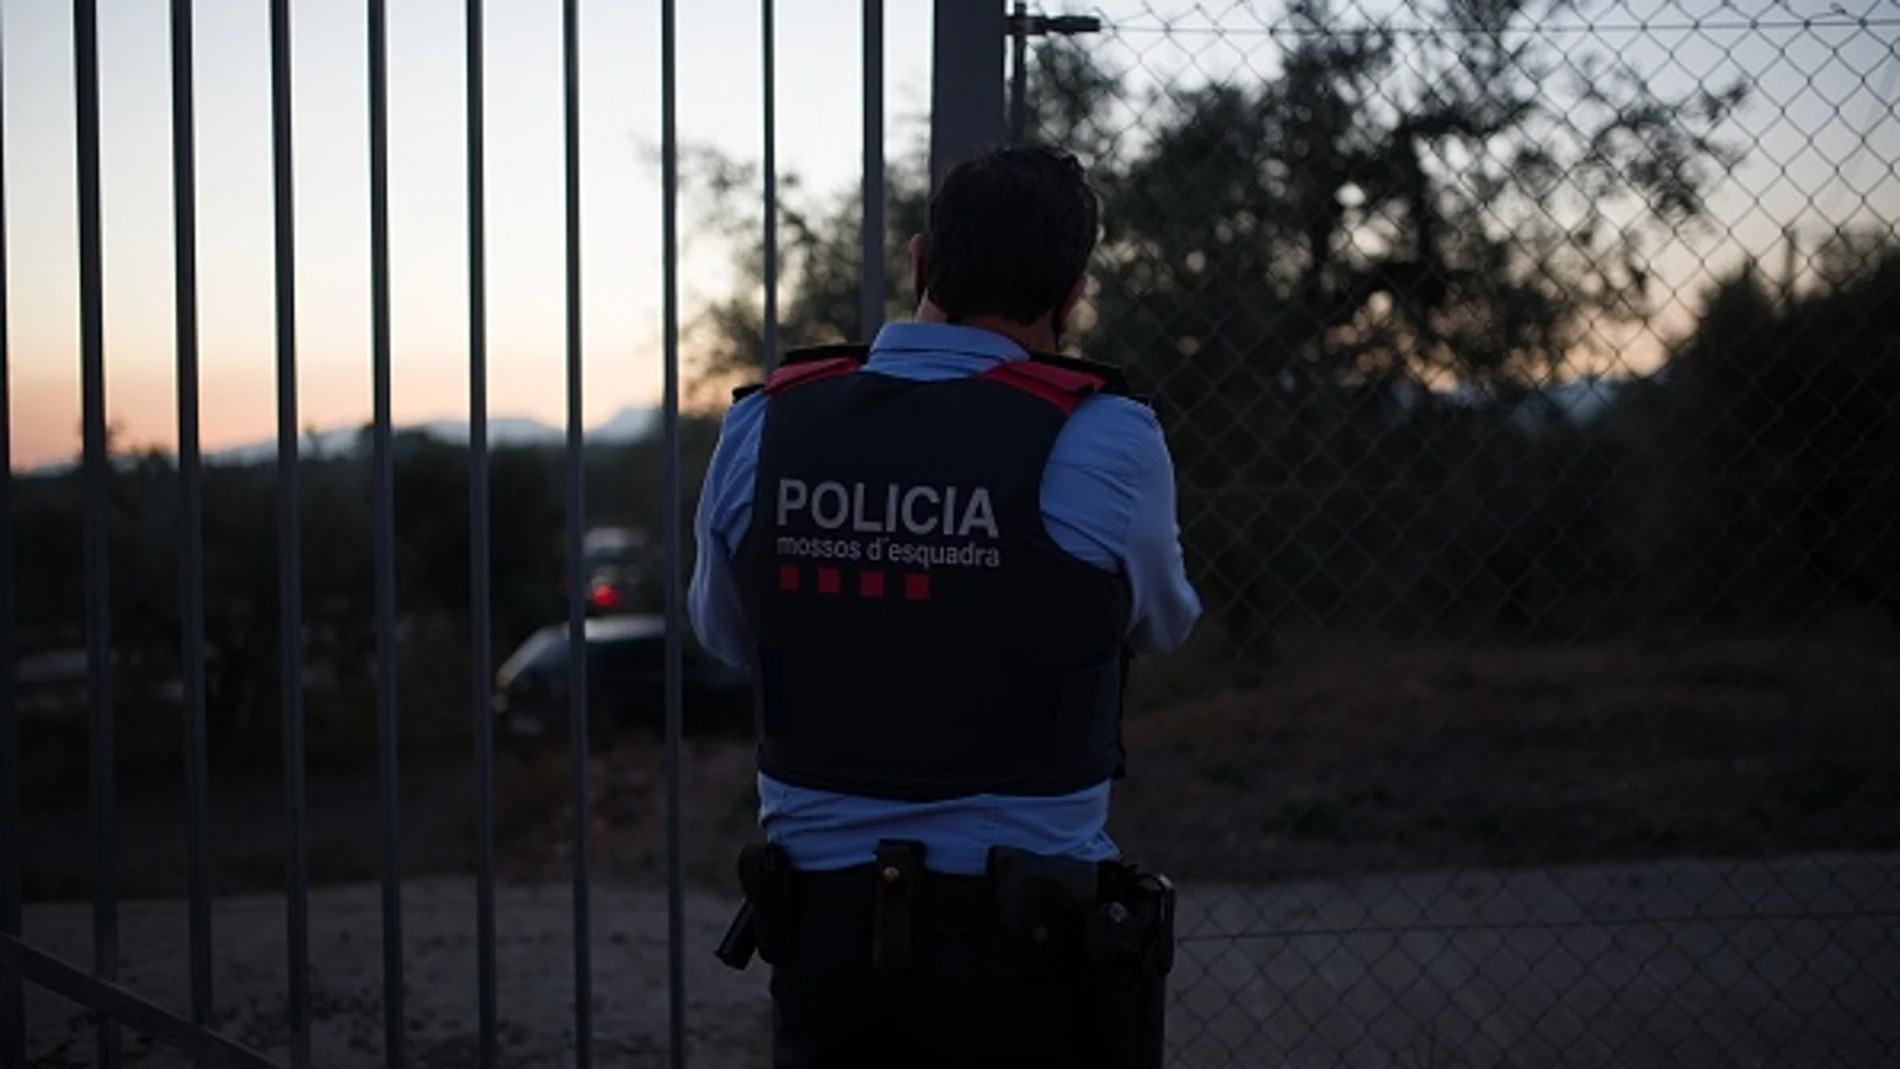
605	597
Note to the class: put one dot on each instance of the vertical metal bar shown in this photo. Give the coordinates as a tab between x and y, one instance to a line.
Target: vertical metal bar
12	992
105	911
191	599
480	638
768	49
966	80
1019	73
576	518
871	291
387	759
669	251
289	547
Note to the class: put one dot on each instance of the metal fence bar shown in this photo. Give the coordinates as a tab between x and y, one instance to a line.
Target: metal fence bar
768	166
576	519
105	909
675	615
114	1003
1509	927
289	549
191	595
480	627
871	291
1018	73
12	994
387	713
1837	20
1328	491
966	79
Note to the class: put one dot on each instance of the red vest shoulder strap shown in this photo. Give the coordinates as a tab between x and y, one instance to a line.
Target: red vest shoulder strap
1066	388
807	364
807	372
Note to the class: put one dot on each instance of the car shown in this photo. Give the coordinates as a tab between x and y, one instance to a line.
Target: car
615	591
626	683
621	571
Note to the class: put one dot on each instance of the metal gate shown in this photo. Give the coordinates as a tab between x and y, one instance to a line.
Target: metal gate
1542	711
197	1032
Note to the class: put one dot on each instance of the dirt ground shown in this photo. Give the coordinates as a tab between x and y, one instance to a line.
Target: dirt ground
1362	760
1688	964
1417	757
1630	853
1432	757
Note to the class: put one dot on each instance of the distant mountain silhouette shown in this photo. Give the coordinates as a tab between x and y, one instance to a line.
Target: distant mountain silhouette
630	424
627	425
1580	400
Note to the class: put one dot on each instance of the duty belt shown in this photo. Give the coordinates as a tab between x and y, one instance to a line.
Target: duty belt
1029	912
1108	928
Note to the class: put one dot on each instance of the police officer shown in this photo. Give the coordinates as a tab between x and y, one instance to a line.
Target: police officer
937	557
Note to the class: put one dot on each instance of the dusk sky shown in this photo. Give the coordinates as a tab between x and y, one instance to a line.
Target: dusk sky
1823	134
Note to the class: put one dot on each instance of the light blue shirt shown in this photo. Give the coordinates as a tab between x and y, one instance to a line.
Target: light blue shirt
1107	498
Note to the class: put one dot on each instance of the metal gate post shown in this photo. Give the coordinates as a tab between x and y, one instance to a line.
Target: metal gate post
871	282
577	730
768	167
675	604
480	599
191	595
966	80
290	544
384	539
96	477
12	994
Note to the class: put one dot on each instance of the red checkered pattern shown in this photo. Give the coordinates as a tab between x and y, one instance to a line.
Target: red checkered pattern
871	583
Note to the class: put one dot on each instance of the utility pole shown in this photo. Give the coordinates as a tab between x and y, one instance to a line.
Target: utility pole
967	105
1021	27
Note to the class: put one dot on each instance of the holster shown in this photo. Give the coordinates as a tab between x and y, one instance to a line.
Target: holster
1040	905
764	921
1108	927
1128	942
894	924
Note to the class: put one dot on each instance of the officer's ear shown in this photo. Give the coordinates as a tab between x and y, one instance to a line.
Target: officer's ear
918	259
1066	310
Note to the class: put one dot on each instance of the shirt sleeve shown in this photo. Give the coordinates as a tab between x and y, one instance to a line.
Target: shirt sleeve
1108	498
724	513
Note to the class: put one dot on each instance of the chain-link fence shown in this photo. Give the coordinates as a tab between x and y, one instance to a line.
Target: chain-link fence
1533	378
1531	372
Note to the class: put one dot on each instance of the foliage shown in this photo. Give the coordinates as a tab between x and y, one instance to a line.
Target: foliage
1360	293
1769	449
819	252
1350	288
526	536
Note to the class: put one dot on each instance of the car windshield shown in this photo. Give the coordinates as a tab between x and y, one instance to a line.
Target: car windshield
545	649
634	641
646	651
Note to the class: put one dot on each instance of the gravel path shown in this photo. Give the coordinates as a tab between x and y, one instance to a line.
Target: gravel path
1794	962
727	1011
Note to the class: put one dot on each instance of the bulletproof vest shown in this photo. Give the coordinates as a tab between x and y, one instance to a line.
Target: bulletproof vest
918	634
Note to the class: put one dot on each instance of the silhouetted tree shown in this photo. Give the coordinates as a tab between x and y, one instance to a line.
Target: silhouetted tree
1298	266
1773	442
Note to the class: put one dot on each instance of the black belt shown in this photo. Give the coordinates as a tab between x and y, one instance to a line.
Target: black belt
1027	912
955	902
894	918
1107	927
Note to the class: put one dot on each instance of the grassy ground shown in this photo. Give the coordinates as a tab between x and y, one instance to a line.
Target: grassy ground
1420	757
1355	760
1451	756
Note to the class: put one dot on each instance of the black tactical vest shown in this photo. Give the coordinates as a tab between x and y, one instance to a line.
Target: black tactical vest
918	634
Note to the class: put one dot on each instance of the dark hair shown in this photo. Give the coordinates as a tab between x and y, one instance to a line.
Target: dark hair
1010	231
